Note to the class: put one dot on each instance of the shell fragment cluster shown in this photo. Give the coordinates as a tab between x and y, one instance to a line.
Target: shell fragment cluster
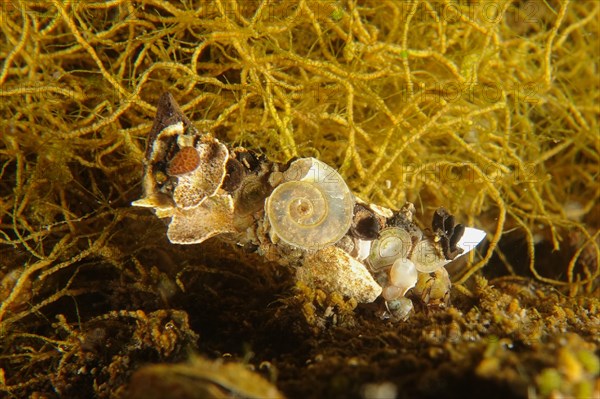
300	214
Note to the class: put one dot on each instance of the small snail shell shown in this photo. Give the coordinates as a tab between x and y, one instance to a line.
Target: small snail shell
392	292
251	195
427	257
403	275
393	243
312	208
400	308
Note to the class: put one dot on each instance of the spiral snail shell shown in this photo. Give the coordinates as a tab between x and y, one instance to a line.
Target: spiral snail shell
312	208
393	243
427	257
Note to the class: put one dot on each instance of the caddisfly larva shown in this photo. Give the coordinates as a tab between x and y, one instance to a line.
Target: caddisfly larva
301	214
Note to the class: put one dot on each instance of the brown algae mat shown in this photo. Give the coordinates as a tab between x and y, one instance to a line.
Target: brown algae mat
487	108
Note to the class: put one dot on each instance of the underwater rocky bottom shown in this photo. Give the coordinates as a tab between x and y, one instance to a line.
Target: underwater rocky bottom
227	323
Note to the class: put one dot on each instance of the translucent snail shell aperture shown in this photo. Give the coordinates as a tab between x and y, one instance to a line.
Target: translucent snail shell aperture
403	274
313	206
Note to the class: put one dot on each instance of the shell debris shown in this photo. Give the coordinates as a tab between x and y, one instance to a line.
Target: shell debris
301	215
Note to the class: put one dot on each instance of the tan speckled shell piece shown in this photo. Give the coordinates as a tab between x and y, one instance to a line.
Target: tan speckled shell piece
195	225
193	188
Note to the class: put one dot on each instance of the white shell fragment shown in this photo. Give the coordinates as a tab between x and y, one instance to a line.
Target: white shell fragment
380	210
363	249
334	270
470	239
403	275
312	208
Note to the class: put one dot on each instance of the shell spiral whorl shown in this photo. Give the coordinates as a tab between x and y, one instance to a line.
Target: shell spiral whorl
312	208
393	243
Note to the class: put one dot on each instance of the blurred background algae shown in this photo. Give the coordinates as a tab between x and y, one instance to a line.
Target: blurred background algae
489	108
